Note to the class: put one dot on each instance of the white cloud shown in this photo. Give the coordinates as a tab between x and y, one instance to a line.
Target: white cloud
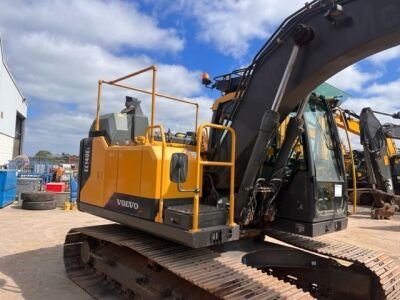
376	103
231	25
180	117
57	132
57	65
385	56
389	91
383	97
56	69
354	140
380	97
112	24
352	79
381	101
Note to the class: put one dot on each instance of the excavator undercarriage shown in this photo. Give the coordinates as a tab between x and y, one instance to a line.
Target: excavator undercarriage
111	261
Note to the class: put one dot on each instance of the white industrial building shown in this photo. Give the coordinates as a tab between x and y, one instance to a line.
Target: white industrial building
13	112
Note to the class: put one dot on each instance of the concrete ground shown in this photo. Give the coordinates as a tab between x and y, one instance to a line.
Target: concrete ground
31	264
380	235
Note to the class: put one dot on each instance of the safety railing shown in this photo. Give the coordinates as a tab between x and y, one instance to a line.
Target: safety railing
201	163
159	217
153	93
342	119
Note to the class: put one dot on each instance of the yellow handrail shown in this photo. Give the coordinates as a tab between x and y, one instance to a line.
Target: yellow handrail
113	82
200	164
159	217
153	94
353	168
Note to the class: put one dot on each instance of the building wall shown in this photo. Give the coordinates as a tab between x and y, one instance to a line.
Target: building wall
11	103
6	148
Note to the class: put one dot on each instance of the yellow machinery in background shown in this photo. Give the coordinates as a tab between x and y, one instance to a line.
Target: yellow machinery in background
352	123
348	126
378	165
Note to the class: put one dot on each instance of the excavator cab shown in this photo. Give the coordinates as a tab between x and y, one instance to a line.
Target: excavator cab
313	200
313	197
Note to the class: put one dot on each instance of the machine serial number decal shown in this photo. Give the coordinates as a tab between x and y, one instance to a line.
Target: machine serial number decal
338	190
128	204
86	163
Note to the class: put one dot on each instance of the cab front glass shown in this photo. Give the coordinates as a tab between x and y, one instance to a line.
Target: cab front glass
327	168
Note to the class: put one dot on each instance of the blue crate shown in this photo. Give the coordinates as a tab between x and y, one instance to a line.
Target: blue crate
73	188
8	187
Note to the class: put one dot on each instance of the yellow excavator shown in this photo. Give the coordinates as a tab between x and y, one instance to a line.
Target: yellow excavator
379	163
192	210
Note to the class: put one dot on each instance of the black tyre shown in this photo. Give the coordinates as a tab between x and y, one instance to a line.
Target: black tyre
46	205
37	197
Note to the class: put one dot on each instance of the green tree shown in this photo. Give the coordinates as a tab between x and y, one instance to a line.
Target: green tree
43	154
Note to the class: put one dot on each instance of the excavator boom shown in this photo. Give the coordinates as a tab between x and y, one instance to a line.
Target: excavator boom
361	29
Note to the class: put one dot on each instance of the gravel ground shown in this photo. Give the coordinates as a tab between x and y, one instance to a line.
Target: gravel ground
31	265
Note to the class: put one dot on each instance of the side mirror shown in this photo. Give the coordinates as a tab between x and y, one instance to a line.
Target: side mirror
178	168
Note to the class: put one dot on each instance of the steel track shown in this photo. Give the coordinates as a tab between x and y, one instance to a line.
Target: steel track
221	275
218	275
386	270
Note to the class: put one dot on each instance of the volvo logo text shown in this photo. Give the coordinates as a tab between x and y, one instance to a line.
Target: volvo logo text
128	204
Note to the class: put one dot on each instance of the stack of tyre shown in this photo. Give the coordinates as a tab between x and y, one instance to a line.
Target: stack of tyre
38	201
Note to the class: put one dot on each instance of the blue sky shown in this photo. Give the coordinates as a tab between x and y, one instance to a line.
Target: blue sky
57	50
